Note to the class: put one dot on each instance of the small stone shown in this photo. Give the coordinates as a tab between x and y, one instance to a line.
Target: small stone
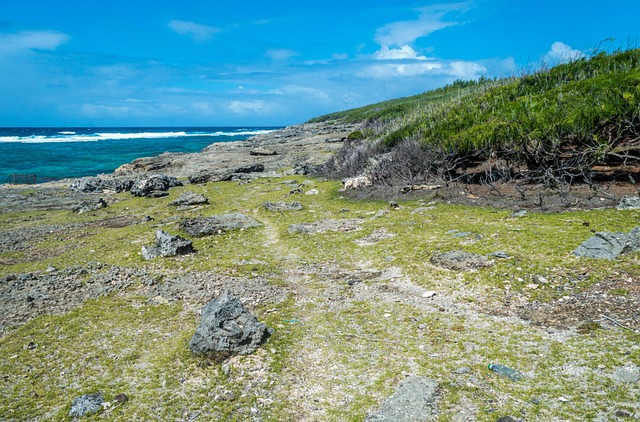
394	205
621	413
226	369
538	279
519	213
532	286
535	400
563	399
121	398
32	346
429	294
462	370
312	192
628	374
506	419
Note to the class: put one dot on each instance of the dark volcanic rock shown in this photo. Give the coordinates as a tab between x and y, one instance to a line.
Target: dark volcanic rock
609	245
228	328
460	260
86	405
190	198
217	224
103	184
282	206
413	401
90	205
154	186
167	245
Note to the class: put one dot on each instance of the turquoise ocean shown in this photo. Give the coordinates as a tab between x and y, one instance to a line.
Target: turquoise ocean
57	153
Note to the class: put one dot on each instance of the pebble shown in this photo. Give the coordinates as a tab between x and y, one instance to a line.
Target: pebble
428	294
462	370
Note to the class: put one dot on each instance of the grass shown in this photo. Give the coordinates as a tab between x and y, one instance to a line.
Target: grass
566	119
339	350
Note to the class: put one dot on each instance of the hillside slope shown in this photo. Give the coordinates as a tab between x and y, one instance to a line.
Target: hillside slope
578	121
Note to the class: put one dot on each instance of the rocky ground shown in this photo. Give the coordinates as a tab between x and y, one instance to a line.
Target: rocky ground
373	304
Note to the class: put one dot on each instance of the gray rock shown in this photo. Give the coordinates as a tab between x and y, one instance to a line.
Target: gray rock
263	151
228	328
90	205
204	176
103	184
86	404
629	374
499	254
460	260
344	225
190	198
282	206
609	245
167	245
413	401
629	203
217	224
154	186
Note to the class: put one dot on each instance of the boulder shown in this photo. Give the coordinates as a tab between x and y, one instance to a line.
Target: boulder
609	245
102	184
460	260
204	176
358	182
629	203
154	186
282	206
86	404
217	224
228	328
90	205
167	245
190	198
629	374
413	401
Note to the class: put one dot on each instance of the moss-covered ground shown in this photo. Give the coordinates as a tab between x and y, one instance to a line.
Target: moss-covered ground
356	320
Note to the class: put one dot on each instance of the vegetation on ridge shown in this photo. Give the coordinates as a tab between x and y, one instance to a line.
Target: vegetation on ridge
578	120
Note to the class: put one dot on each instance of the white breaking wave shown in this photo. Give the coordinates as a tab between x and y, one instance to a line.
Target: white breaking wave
96	137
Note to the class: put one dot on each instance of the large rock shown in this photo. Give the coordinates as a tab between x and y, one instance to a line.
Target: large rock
154	186
204	176
413	401
609	245
90	205
190	198
86	404
217	224
228	328
460	260
167	245
102	184
282	206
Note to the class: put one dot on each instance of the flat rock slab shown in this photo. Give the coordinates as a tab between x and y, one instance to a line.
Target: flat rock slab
86	404
190	198
413	401
282	206
343	225
103	184
460	260
228	328
609	245
218	224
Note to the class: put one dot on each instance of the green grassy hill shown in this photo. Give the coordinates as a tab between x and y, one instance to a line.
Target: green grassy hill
572	120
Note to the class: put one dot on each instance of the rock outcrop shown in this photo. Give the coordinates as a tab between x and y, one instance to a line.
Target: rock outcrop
86	404
609	245
282	206
167	245
218	224
190	198
460	260
103	184
154	186
228	328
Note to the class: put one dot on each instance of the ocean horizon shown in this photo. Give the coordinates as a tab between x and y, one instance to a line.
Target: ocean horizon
54	153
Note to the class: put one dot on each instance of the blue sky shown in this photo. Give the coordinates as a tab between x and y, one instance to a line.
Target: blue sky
220	62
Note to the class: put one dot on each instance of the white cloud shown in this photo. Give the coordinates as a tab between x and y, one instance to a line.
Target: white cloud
403	52
561	52
281	53
431	19
198	32
31	40
457	69
249	107
465	70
